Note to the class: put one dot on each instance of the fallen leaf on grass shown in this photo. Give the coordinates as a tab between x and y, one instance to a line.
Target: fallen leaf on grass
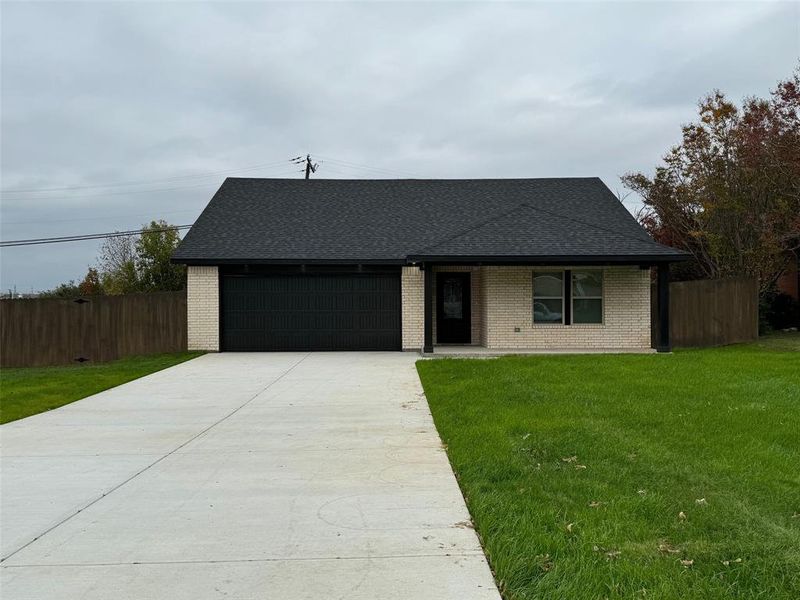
687	562
595	504
701	502
728	563
526	436
545	564
569	527
682	516
667	548
642	492
610	554
579	467
570	459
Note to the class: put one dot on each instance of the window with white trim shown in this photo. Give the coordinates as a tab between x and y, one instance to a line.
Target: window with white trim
548	297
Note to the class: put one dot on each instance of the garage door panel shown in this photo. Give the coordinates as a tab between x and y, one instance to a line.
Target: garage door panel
311	312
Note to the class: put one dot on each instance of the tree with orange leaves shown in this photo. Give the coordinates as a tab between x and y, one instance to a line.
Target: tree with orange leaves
729	193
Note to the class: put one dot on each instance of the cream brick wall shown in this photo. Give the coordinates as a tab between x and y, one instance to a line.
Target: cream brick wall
482	292
412	286
508	301
502	301
202	297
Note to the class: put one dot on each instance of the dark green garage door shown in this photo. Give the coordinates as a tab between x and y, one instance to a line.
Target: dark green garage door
311	312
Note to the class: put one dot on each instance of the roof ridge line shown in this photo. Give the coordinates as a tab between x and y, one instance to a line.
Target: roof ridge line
648	241
472	228
420	179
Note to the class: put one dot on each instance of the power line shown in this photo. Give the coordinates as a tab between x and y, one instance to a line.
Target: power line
346	163
142	182
329	169
147	191
97	218
180	178
352	165
94	236
88	236
124	192
309	166
275	175
102	217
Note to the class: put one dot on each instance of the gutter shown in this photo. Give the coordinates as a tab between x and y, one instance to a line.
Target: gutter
569	259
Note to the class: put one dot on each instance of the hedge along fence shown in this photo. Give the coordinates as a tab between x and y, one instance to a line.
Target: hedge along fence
53	331
709	312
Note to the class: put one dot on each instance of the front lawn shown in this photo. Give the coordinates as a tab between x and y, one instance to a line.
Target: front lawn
25	392
635	476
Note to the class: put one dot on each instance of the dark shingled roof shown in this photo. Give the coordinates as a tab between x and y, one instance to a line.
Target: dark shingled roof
394	221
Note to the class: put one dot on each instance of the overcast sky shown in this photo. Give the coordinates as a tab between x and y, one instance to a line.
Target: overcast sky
177	95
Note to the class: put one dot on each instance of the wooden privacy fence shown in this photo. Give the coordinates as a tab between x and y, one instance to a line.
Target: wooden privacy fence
709	312
53	331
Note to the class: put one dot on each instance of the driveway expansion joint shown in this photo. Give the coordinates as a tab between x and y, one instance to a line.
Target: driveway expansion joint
465	553
319	475
155	462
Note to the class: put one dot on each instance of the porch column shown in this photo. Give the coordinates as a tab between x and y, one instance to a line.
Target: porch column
664	344
428	311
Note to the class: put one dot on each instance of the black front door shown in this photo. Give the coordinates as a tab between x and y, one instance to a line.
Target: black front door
453	314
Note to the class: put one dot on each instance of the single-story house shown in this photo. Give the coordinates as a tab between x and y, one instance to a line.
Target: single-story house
525	264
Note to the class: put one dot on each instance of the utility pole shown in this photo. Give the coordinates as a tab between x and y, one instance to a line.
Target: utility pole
310	168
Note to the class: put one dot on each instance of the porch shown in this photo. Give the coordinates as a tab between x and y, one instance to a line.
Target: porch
496	309
483	352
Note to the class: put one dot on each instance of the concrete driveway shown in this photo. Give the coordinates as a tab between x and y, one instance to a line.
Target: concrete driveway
240	476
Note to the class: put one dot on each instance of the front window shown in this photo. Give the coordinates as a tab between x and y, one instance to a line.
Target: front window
568	297
587	296
548	297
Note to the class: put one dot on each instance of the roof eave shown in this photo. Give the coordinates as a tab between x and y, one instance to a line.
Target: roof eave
287	261
572	259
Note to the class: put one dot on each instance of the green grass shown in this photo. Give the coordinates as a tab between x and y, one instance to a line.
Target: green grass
789	342
656	434
25	392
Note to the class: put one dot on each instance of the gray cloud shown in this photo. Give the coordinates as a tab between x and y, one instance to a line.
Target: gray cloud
106	92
